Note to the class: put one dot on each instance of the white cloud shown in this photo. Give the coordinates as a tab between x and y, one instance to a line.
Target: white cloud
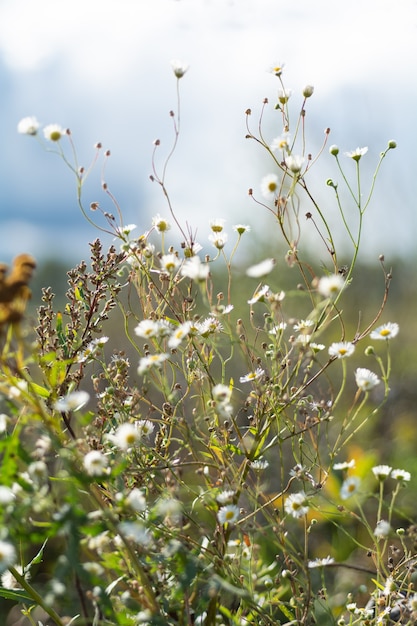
106	39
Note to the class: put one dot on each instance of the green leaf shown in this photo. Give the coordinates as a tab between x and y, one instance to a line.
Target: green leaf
17	596
38	558
288	614
55	369
40	391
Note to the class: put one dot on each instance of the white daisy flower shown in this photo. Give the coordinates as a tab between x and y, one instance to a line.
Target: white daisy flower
345	465
280	143
170	509
151	328
137	532
251	376
269	186
221	393
8	581
169	262
125	230
99	342
223	310
179	334
382	529
386	331
356	154
125	436
327	560
6	495
330	286
146	329
28	126
365	379
317	347
389	587
217	225
160	223
153	360
259	464
53	132
74	401
218	240
297	505
95	463
259	295
38	471
381	472
225	496
303	325
136	500
342	349
349	487
209	326
92	349
401	475
284	95
277	69
241	228
303	341
145	428
228	514
278	329
196	270
179	67
294	163
261	269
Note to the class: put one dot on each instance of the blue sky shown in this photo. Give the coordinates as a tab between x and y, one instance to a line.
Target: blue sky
102	68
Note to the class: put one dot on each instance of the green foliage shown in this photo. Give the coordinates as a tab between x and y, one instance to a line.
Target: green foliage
197	465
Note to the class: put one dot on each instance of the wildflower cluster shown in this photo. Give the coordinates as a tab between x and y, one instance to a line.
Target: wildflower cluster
173	444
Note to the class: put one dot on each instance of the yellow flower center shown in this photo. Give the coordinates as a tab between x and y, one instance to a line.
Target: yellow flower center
55	135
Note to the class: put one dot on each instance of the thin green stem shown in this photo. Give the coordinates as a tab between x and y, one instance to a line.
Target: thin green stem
37	598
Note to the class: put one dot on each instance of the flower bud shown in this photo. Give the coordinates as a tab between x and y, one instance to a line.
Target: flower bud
392	144
179	68
334	150
308	91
